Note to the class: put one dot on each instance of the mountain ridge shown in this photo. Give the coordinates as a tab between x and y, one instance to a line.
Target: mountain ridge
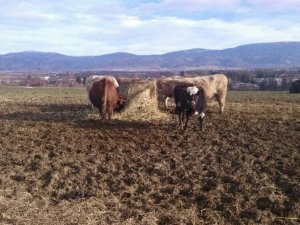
259	55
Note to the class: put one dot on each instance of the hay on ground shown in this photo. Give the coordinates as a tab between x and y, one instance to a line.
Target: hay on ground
142	103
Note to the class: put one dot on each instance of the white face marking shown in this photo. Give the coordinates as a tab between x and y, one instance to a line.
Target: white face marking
193	102
202	115
192	90
196	113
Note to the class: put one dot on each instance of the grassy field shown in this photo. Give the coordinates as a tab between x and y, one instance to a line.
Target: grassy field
61	165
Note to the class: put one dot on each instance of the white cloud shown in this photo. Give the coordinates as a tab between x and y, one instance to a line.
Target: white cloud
276	4
166	34
189	5
153	36
97	27
131	21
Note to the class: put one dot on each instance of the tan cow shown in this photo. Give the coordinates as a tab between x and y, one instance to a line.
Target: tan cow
214	86
167	86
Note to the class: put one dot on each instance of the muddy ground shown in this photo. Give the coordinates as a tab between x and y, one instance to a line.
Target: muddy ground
60	165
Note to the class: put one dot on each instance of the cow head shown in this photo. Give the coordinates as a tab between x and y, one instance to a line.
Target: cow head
201	106
192	97
197	100
120	104
192	90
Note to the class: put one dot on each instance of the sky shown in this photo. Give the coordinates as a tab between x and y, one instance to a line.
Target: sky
144	27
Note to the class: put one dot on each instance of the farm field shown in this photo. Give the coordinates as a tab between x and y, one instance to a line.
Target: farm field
59	164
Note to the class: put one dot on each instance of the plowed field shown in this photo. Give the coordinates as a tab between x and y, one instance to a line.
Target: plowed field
60	165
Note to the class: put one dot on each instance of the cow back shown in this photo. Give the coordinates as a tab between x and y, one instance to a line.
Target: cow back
213	85
93	78
103	92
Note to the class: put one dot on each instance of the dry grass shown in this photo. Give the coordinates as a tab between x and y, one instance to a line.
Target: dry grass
142	103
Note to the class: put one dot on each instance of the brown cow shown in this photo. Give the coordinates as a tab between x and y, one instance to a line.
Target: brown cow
104	95
93	78
189	100
214	86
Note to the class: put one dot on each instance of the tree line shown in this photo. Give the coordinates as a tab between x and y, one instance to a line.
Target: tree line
266	79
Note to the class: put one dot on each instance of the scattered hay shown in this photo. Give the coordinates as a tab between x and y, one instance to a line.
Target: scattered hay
142	103
23	208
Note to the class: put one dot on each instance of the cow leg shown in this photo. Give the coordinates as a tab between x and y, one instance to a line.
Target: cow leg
201	119
166	102
221	101
110	114
102	115
201	123
89	103
179	117
186	121
182	119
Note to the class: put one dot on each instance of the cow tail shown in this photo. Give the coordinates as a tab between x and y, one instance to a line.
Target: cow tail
104	98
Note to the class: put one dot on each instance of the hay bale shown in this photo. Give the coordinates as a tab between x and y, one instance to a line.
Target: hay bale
142	103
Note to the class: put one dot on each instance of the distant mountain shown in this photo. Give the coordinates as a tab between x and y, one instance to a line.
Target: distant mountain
263	55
